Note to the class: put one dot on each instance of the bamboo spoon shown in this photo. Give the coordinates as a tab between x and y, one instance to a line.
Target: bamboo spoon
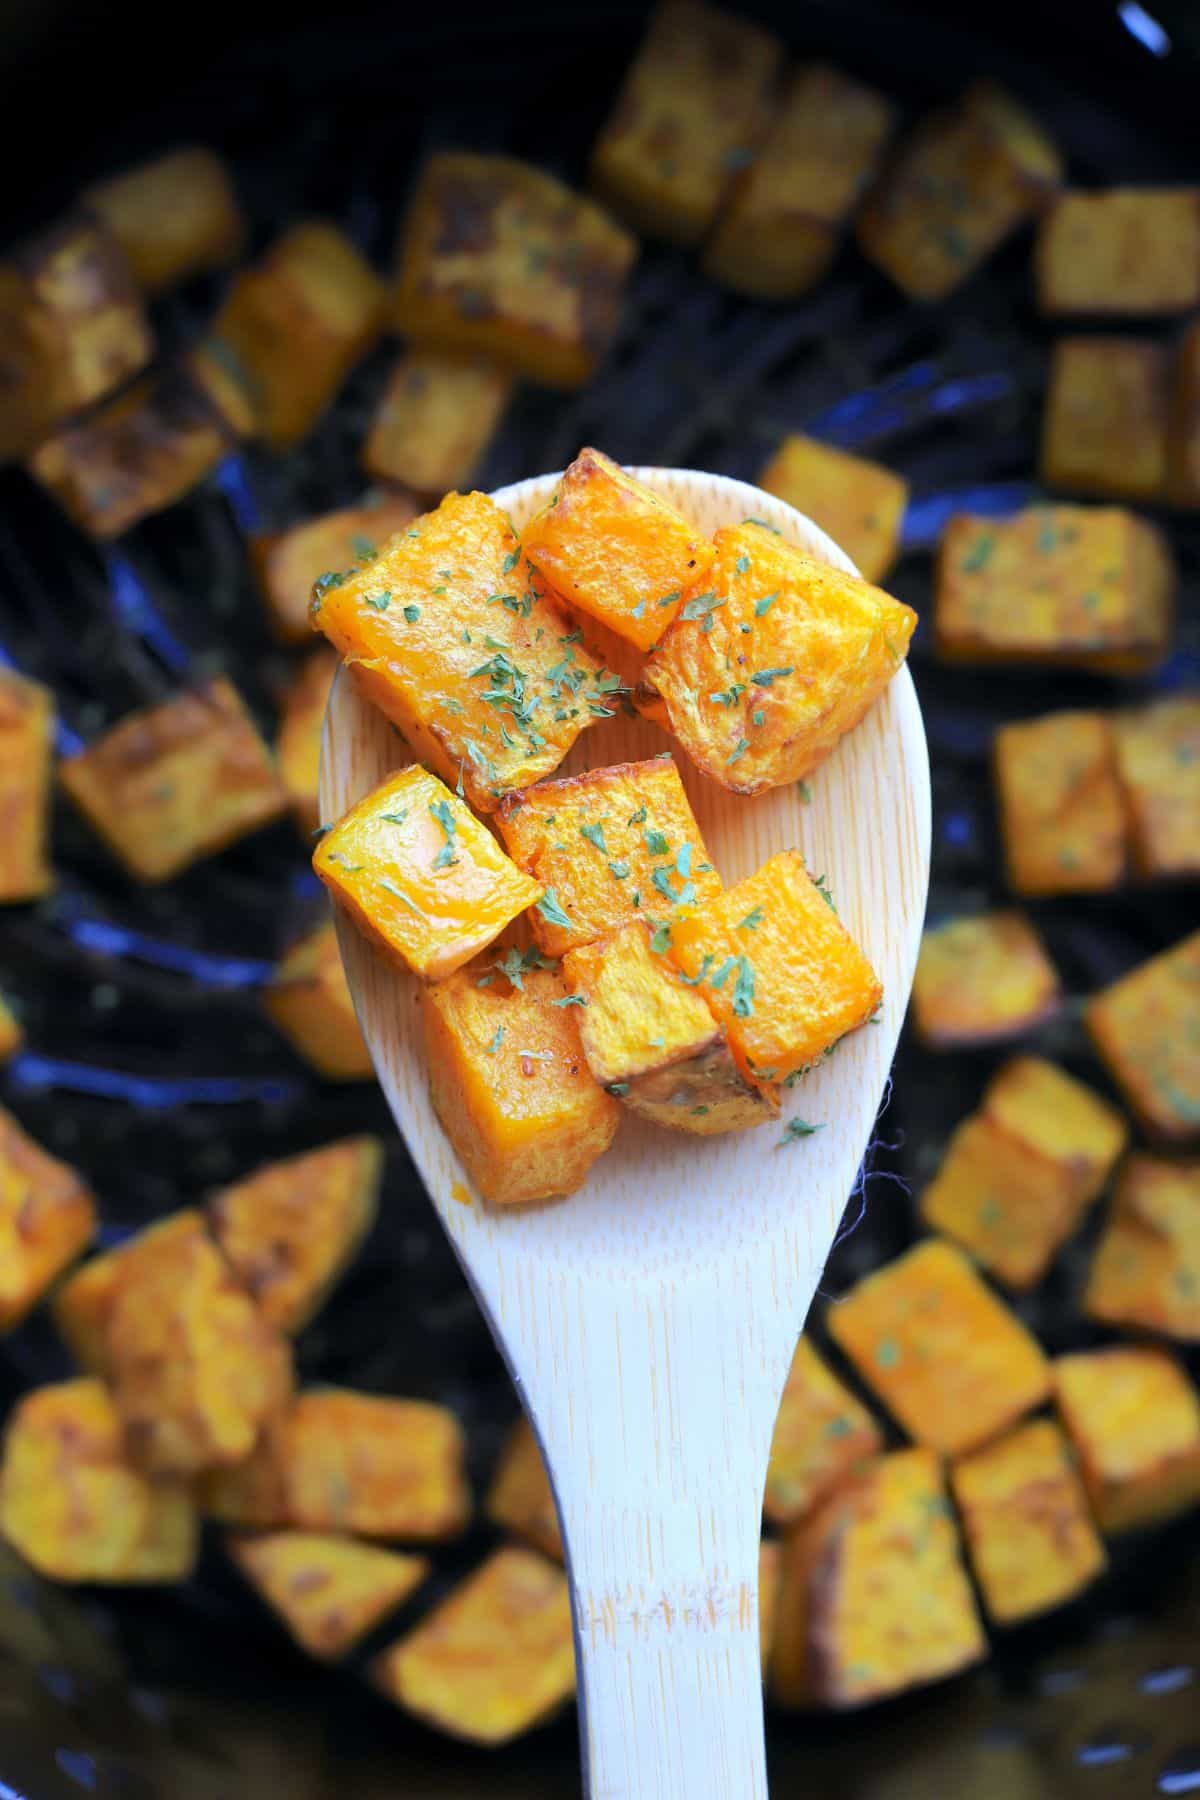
650	1319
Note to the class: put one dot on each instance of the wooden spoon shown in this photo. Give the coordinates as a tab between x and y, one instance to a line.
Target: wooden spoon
649	1320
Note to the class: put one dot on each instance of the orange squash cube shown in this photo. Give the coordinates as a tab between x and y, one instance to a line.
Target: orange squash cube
47	1219
823	1433
11	1034
1183	426
944	1354
1104	429
436	417
1120	250
1061	810
288	563
81	1305
1146	1271
26	752
1134	1419
1144	1027
174	216
982	980
1158	766
520	1499
309	1001
859	503
1060	1119
298	746
328	1591
766	669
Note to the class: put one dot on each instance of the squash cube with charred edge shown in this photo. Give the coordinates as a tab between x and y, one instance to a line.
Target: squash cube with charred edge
777	967
940	1349
1183	428
693	109
1146	1271
81	1305
296	322
784	220
435	418
982	980
47	1219
510	1083
1144	1027
616	549
1060	586
174	217
1120	250
11	1034
309	1001
454	635
72	1503
329	1592
1061	811
520	1499
822	1434
653	1041
1104	428
874	1596
177	782
340	1461
1027	1523
298	746
1134	1419
290	1229
965	180
288	563
26	753
495	1658
1158	766
766	669
499	259
426	884
859	503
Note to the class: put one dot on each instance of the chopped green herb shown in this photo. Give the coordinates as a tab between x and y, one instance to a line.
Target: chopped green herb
683	861
497	1040
510	562
390	887
796	1129
743	989
411	614
765	604
742	563
728	696
739	750
977	557
821	883
698	1112
619	1088
594	835
671	598
805	793
639	609
620	870
332	578
660	943
552	912
887	1353
764	525
752	920
765	677
395	818
637	818
445	858
758	716
701	606
701	973
656	841
723	973
379	602
570	1000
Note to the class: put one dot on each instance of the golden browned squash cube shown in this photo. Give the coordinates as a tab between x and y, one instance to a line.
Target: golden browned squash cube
965	180
82	1304
288	563
1074	586
981	980
1104	427
940	1349
298	746
72	1503
26	751
1120	250
499	259
1146	1271
1183	428
1026	1519
1158	766
1144	1027
328	1591
435	419
1134	1419
859	503
426	884
177	782
174	216
309	1001
11	1033
773	660
1061	810
493	1659
654	1042
520	1499
784	220
694	106
47	1219
823	1433
874	1597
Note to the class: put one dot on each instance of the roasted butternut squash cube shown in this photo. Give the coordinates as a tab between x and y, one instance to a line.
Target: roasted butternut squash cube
944	1354
290	1229
770	1572
1183	428
72	1503
309	1001
177	782
1104	428
616	549
982	980
1061	586
823	1433
435	418
174	216
420	877
1120	250
693	109
26	750
859	503
777	967
520	1499
1146	1271
328	1591
1134	1419
1061	810
298	746
47	1219
11	1034
1158	766
654	1043
1058	1118
964	181
296	322
1028	1528
766	669
511	1086
82	1304
288	563
783	222
499	259
452	633
494	1659
874	1596
340	1461
1144	1027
